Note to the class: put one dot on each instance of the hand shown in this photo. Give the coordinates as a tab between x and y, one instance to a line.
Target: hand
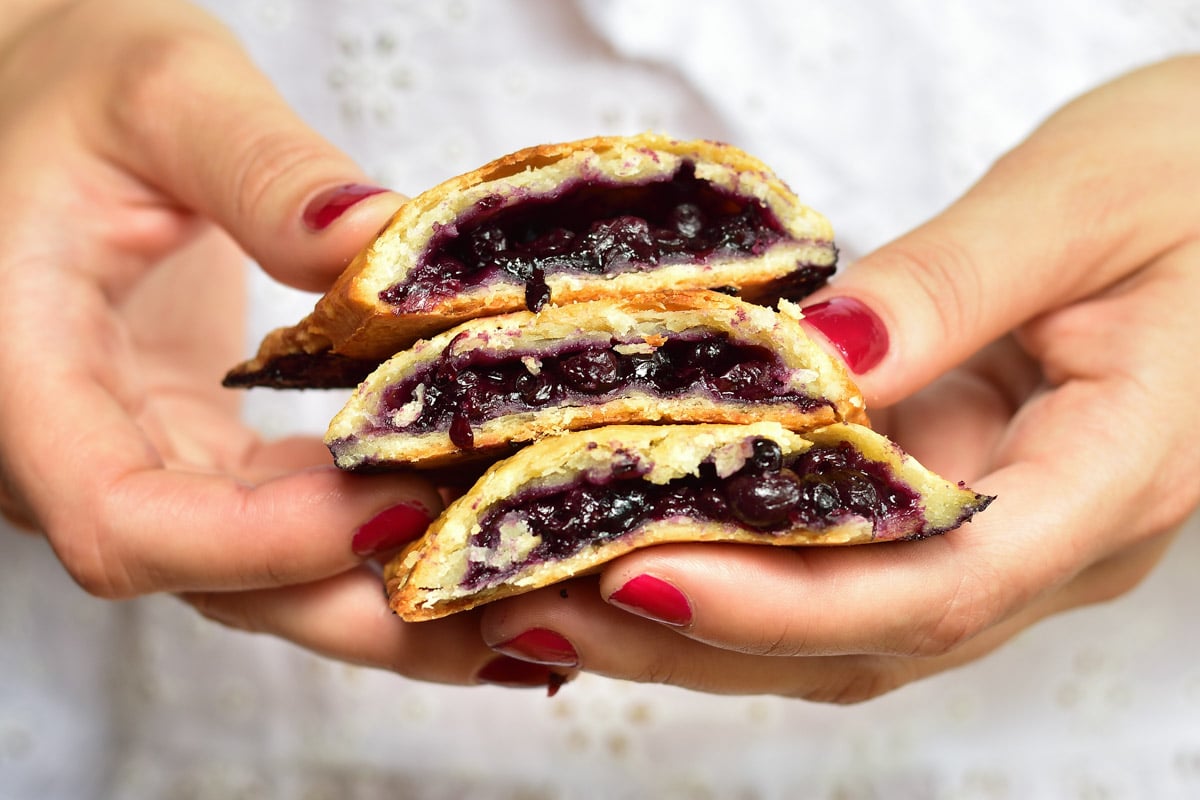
1038	339
146	152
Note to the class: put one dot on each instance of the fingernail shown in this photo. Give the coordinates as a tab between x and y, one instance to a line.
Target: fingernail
540	646
330	204
653	598
390	529
511	672
855	330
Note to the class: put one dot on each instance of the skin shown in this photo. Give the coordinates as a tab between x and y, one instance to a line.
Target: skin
1040	320
138	471
1047	322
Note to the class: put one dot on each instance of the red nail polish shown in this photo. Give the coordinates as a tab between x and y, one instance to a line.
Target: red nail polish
540	646
653	598
330	204
505	671
855	330
390	528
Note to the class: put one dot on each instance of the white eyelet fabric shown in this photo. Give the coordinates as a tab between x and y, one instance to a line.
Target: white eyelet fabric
878	115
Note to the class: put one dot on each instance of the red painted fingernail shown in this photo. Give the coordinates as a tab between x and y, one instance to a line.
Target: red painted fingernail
390	529
330	204
653	598
855	330
540	646
505	671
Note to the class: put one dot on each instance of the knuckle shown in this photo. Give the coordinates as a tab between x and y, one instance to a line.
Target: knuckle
862	680
782	641
90	540
153	72
658	671
943	273
261	148
267	157
263	154
972	605
83	550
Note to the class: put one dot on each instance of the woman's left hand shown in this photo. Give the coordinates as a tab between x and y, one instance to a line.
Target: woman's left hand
1038	340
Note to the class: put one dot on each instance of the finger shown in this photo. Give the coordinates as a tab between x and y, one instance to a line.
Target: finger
604	641
118	518
1055	514
195	118
124	524
163	530
346	617
926	598
1052	222
274	458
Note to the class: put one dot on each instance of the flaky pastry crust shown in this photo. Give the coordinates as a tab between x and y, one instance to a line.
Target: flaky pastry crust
424	582
351	326
357	439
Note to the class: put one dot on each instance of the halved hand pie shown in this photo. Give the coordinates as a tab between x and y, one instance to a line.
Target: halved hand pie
697	356
602	217
566	505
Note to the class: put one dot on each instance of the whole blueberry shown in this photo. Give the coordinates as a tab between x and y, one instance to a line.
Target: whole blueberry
859	493
820	495
711	502
763	500
592	371
765	456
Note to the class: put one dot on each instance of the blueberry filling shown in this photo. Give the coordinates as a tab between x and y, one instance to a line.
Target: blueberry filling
816	489
590	227
305	371
456	393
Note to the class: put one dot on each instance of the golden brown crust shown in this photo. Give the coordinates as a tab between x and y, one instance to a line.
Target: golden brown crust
424	582
350	320
356	438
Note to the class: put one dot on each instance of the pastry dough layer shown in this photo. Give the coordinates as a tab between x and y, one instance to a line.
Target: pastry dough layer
425	581
352	323
358	435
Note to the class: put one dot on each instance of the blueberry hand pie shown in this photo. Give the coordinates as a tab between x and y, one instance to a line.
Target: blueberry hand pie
567	504
682	357
599	218
604	305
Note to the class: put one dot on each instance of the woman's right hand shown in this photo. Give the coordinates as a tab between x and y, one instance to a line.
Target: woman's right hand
141	155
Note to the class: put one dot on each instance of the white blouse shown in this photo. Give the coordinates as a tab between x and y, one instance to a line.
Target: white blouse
876	114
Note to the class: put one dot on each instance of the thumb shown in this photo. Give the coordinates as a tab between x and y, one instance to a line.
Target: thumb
200	123
1083	202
